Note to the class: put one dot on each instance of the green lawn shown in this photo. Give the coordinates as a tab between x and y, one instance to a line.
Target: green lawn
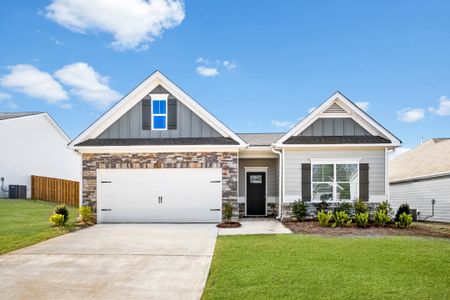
311	267
25	222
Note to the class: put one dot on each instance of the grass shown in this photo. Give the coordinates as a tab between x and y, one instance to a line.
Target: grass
311	267
25	222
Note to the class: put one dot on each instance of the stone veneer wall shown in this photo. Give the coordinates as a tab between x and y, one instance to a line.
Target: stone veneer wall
312	211
272	210
225	160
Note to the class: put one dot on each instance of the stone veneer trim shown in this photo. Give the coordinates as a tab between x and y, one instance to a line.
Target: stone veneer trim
227	161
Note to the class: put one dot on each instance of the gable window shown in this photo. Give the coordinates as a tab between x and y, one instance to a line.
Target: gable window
334	181
159	112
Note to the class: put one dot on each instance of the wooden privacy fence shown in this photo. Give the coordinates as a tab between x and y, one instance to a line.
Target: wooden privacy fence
55	190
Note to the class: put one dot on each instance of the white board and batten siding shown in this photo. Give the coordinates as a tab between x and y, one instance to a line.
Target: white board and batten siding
294	159
32	145
418	194
159	195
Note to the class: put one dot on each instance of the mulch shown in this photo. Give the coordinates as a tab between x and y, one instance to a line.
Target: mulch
229	225
416	229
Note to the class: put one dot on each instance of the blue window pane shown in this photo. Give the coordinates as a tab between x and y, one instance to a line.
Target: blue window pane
159	122
156	107
162	106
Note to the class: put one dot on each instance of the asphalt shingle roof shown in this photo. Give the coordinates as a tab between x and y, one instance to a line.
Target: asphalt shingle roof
159	142
429	158
12	115
366	139
260	139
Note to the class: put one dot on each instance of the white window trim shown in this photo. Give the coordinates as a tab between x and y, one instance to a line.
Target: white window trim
334	183
159	97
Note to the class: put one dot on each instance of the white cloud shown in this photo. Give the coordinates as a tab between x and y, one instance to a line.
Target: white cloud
411	114
56	41
311	109
398	151
86	83
229	65
444	107
282	124
207	71
133	23
5	96
363	105
33	82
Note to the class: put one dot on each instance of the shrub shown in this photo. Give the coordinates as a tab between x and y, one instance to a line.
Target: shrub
322	205
57	219
386	207
324	218
381	218
360	206
361	219
299	210
86	214
403	208
228	211
62	210
404	220
345	207
341	219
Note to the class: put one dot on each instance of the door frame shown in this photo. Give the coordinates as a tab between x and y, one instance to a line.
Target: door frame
251	170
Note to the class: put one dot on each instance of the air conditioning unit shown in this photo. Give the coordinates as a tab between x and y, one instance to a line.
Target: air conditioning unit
17	191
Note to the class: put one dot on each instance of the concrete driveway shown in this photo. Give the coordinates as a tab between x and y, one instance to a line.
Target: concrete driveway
114	261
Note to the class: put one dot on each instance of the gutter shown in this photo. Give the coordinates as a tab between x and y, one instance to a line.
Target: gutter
279	181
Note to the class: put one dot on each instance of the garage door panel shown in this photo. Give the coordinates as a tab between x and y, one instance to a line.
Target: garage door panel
159	195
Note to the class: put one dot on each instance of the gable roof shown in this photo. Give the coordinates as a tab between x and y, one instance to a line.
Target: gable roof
340	106
430	159
137	94
13	115
260	139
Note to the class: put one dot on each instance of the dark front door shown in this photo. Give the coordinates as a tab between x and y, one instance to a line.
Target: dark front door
256	194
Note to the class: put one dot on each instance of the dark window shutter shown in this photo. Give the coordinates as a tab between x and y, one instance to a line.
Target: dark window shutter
172	114
364	182
146	113
306	182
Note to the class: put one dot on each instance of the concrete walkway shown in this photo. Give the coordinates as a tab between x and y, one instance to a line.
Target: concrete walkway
256	227
114	261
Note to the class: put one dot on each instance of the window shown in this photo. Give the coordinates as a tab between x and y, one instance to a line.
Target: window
335	182
159	114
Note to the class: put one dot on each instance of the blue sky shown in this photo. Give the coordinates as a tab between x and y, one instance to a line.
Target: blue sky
259	66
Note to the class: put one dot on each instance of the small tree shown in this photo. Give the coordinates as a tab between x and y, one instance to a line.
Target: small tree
299	210
228	212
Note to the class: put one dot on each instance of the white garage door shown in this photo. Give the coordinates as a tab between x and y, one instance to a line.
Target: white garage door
159	195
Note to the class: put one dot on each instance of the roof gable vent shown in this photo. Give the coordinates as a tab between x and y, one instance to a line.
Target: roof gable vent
334	109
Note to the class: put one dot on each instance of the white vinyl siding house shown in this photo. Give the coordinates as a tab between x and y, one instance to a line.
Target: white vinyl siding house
421	178
34	145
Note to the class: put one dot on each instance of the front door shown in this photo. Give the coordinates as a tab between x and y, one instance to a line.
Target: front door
256	194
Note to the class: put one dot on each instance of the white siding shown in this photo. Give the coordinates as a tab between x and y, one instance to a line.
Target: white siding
418	195
295	158
33	146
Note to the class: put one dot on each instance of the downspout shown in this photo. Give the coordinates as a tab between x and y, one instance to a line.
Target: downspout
280	161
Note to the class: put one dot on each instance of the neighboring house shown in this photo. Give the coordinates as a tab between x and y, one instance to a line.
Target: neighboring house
31	143
158	156
420	177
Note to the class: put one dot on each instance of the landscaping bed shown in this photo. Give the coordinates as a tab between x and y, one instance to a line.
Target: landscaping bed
416	229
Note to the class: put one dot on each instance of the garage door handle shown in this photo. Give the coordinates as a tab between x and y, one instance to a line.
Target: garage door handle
106	209
215	181
215	209
106	181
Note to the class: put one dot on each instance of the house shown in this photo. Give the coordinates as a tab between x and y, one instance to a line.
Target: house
421	178
159	156
31	143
